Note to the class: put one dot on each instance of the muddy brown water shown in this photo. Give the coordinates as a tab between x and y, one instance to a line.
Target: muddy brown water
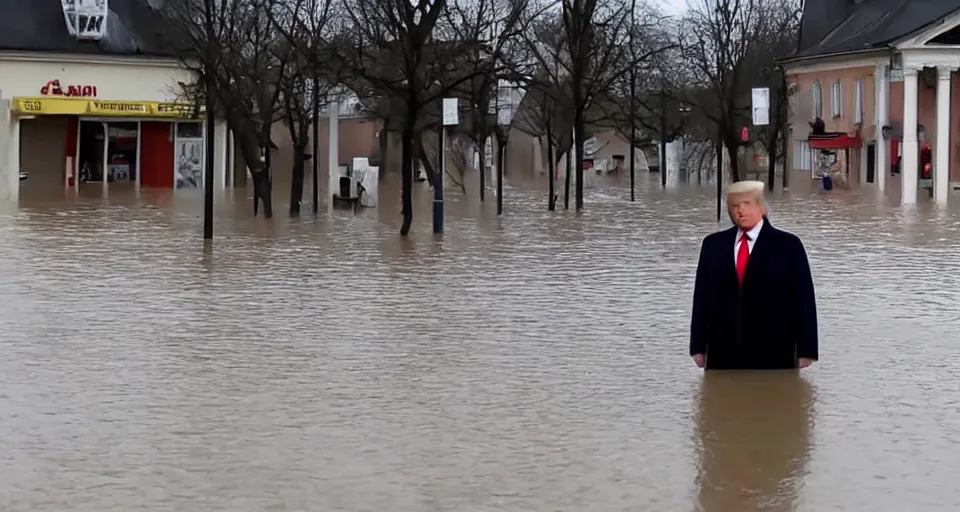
533	362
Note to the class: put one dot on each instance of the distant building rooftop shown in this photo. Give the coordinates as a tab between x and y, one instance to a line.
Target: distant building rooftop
833	27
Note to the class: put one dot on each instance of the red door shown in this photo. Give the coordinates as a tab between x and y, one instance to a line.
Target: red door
156	158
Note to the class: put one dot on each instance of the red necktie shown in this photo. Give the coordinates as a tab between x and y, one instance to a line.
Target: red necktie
743	254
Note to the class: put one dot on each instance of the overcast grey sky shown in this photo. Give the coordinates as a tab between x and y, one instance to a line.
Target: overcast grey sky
672	7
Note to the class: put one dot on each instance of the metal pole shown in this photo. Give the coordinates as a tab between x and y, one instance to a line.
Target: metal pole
316	144
208	184
438	185
719	150
499	179
663	139
633	111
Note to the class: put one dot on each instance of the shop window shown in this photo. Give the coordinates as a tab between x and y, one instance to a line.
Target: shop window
188	151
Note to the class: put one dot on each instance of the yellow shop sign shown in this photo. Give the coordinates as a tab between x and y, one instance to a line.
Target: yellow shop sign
79	107
118	108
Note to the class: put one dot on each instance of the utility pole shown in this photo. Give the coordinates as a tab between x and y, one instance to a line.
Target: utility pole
663	138
316	142
208	184
633	105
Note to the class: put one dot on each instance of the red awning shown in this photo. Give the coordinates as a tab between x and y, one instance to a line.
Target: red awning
833	141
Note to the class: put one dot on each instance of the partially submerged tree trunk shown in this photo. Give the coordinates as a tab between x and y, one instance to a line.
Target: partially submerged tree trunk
482	148
249	145
551	166
296	181
299	125
579	128
566	180
406	169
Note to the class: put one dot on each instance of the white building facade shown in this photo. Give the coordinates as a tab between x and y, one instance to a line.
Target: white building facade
100	121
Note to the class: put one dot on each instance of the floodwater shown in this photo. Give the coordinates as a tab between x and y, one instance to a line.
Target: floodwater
533	362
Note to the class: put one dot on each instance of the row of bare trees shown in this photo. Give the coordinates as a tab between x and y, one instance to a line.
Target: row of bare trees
726	48
583	65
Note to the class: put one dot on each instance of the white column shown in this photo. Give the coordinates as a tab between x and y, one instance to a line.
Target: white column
882	160
941	161
9	167
333	152
911	147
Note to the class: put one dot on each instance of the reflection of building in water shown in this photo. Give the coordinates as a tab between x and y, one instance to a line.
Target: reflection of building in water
754	430
91	102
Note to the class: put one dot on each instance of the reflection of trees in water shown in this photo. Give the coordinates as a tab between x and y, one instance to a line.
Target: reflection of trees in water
754	433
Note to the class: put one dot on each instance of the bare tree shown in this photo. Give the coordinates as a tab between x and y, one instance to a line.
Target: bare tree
777	38
409	54
546	110
234	49
721	43
308	81
541	115
497	23
595	54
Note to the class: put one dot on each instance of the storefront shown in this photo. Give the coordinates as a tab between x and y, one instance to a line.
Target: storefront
101	123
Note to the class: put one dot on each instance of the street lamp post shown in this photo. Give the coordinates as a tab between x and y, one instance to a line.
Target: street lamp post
633	105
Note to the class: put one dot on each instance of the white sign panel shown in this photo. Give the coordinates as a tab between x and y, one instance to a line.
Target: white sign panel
761	106
451	112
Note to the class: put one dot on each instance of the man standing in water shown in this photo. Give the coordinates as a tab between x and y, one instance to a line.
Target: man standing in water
753	301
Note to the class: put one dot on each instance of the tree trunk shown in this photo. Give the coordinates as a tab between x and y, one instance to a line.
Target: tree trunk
501	172
551	167
424	158
784	103
719	173
733	151
406	171
663	142
263	180
566	180
482	148
772	164
384	145
296	181
579	129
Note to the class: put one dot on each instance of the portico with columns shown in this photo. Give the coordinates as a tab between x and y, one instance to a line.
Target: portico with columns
927	62
915	63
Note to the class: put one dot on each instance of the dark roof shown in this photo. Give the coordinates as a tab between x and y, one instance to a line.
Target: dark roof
133	28
831	27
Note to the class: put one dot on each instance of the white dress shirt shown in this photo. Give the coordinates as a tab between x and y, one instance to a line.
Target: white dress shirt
752	239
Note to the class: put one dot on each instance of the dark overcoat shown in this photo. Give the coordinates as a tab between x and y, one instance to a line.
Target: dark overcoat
770	321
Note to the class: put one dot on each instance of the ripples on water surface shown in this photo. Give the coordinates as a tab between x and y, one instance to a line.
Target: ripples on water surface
530	363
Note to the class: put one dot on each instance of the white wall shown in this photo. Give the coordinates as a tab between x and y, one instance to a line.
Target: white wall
115	79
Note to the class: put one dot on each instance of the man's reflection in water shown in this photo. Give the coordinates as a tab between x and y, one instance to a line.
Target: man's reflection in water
754	430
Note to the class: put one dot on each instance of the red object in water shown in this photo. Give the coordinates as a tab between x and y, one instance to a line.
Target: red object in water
744	135
926	161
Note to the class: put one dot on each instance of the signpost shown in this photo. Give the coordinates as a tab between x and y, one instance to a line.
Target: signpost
761	106
451	117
